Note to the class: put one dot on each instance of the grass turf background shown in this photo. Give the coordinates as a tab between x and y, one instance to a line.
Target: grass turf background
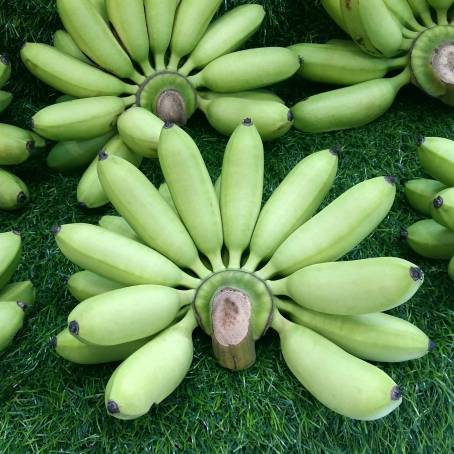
49	405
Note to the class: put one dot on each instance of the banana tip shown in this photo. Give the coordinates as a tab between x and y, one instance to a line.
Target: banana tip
396	393
438	202
421	140
112	407
4	59
248	122
21	198
290	116
73	328
31	147
83	205
56	229
416	273
391	180
16	232
169	124
403	234
432	345
22	305
103	155
53	342
336	150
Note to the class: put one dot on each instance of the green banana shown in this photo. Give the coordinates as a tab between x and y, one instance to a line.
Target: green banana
403	12
422	11
16	145
90	193
14	193
118	225
421	192
361	391
156	370
442	208
317	241
292	204
80	119
191	21
69	75
252	95
64	43
441	7
247	69
225	35
109	254
192	191
10	255
451	268
165	194
140	130
139	202
373	337
11	321
100	6
126	314
352	287
241	189
5	100
19	291
436	155
5	69
333	8
85	284
430	239
348	107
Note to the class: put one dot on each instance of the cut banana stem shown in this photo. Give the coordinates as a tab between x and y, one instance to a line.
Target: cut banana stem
442	209
64	43
10	254
436	156
19	291
85	284
420	194
14	193
11	321
118	225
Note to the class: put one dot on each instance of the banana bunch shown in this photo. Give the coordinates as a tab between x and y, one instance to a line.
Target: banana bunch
14	298
433	198
194	253
394	43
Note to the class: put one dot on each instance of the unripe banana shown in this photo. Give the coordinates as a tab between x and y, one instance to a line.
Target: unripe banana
333	8
430	239
241	189
5	100
352	287
252	95
94	38
10	255
272	119
64	43
340	381
225	35
69	75
317	241
109	254
294	202
442	209
81	119
72	155
165	194
118	225
192	191
191	21
140	130
90	193
422	11
436	155
373	337
348	107
11	321
5	69
19	291
71	349
421	192
139	202
16	145
403	12
152	373
85	284
247	69
126	314
441	7
451	268
14	193
101	8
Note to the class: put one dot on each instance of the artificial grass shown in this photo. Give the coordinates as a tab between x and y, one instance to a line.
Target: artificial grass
49	405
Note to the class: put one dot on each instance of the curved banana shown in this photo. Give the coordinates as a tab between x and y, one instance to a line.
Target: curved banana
10	255
11	321
403	12
421	192
16	145
5	69
442	208
333	8
422	11
85	284
64	43
436	156
118	225
19	291
14	193
5	100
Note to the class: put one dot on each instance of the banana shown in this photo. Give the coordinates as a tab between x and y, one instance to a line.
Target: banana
352	287
94	38
5	69
71	349
160	18
252	95
10	255
5	100
333	8
342	65
118	225
442	208
64	43
373	337
436	155
403	12
430	239
140	130
272	119
225	35
14	193
85	284
330	234
241	189
451	268
247	69
19	291
129	21
294	202
16	145
340	381
80	119
192	191
90	193
348	107
441	7
421	192
152	373
126	314
139	202
118	258
71	155
11	321
100	6
69	75
422	11
191	21
165	194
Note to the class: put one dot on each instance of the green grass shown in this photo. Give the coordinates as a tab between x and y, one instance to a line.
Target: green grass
49	405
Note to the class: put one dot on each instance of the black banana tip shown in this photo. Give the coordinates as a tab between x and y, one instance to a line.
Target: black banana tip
169	124
112	407
290	116
421	140
23	44
103	155
336	150
73	328
21	198
53	342
83	206
396	393
301	59
56	229
22	305
438	202
4	58
30	123
30	145
403	234
432	345
248	122
16	232
391	180
416	273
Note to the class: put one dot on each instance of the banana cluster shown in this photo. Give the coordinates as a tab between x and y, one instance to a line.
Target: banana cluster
14	298
434	198
193	253
394	43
